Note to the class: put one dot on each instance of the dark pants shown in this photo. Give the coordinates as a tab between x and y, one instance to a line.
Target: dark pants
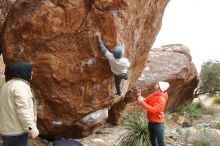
19	140
63	142
118	79
156	131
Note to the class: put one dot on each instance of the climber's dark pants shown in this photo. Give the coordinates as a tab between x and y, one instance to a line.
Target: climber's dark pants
118	79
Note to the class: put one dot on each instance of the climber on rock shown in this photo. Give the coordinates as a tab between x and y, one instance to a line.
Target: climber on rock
119	65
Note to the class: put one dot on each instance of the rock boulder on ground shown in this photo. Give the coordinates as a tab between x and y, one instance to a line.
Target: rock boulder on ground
71	78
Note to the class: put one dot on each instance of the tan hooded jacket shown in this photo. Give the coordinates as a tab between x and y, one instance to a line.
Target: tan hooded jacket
17	108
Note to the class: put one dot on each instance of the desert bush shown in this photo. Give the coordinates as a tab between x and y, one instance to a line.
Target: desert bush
197	104
137	129
190	111
216	124
216	100
210	78
200	142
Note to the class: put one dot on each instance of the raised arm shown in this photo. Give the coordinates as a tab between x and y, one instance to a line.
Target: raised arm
100	43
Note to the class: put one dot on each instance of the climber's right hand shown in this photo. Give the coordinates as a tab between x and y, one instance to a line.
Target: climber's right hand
98	35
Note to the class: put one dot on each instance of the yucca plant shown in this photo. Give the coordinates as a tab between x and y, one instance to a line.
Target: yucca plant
137	130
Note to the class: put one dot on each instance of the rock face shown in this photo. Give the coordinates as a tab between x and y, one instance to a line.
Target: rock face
5	5
71	78
170	63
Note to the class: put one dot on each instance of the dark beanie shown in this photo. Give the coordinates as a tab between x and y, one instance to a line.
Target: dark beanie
21	70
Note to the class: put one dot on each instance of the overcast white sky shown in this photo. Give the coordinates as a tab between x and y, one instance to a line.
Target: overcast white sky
194	23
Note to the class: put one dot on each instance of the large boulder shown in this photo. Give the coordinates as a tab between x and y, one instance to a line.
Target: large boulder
170	63
71	78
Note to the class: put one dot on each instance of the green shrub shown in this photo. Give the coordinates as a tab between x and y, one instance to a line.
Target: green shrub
190	111
216	124
216	100
210	78
137	131
197	105
200	142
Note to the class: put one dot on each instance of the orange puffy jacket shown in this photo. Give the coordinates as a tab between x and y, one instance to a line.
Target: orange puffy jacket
155	104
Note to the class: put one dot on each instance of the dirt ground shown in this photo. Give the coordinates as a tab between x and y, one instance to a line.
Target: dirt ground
106	136
109	135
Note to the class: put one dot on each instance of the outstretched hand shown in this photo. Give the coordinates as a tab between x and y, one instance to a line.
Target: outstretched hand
98	35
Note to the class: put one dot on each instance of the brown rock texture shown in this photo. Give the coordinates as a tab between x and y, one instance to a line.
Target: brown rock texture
170	63
118	109
71	78
5	5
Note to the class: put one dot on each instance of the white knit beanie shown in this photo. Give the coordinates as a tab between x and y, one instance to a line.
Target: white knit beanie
163	86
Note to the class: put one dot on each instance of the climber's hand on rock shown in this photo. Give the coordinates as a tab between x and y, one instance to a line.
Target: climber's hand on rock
98	35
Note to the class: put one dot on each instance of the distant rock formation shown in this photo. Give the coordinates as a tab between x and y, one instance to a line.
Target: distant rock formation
170	63
71	78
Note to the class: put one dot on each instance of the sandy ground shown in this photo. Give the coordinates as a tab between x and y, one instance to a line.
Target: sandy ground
110	135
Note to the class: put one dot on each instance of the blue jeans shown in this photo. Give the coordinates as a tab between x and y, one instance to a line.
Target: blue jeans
19	140
156	131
